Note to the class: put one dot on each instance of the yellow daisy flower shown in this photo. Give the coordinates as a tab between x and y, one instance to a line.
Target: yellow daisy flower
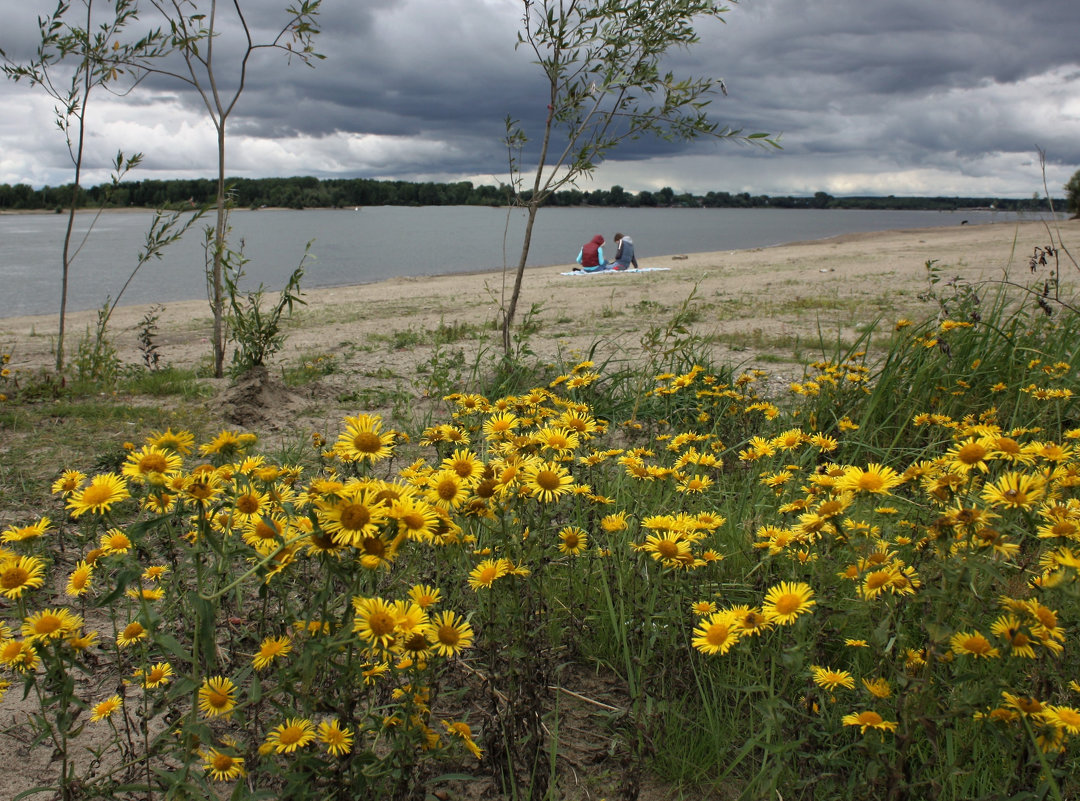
271	649
217	697
787	601
294	733
220	766
99	496
338	739
716	633
105	709
868	720
449	634
19	574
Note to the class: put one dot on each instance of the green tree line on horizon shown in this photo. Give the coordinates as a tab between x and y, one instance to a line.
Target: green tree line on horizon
307	192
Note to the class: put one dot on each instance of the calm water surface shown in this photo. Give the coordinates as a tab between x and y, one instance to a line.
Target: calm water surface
374	243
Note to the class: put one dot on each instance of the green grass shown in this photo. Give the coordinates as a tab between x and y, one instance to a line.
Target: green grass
443	334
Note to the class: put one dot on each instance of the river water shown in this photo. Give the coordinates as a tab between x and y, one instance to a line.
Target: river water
356	246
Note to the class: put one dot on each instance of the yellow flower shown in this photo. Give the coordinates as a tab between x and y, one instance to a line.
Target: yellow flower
181	442
270	649
105	709
546	481
354	515
338	739
462	730
375	621
222	767
751	622
19	655
69	481
115	541
19	574
99	496
876	479
1008	628
292	734
716	633
227	444
51	624
501	425
868	720
363	439
1014	490
21	533
969	454
79	580
249	506
574	540
972	643
614	522
157	675
1065	718
416	518
787	601
670	549
695	484
150	464
424	595
830	679
702	608
449	633
155	572
217	697
879	688
131	633
447	490
486	573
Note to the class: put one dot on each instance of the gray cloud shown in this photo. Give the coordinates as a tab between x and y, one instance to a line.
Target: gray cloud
883	97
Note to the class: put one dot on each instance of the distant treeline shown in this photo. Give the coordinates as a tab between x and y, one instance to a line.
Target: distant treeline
312	193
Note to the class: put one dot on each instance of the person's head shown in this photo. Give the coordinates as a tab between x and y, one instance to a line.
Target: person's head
618	237
598	239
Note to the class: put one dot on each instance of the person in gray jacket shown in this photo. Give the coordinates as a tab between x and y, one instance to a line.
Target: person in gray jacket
624	253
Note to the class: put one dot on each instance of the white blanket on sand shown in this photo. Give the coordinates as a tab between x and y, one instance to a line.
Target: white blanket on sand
619	272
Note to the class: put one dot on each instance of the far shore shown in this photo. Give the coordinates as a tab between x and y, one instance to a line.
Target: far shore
750	301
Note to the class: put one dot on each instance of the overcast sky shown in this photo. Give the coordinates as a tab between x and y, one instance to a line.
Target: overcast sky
904	97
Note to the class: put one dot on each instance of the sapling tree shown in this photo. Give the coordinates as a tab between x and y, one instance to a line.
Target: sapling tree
219	76
602	61
74	59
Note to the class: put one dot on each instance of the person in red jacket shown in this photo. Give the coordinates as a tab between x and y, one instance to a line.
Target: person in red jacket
591	255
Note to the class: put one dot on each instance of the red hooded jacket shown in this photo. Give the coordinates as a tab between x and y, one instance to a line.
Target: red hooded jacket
589	253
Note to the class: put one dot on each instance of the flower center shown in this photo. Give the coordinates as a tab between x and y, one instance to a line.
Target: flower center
547	480
367	442
448	635
355	516
787	603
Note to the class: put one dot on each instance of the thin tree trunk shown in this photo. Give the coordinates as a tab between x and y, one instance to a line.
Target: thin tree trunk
64	268
218	301
511	310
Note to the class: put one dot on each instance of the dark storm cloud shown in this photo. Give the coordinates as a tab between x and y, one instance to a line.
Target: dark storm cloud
908	76
421	87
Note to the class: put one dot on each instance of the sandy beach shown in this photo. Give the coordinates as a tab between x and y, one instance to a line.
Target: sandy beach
748	302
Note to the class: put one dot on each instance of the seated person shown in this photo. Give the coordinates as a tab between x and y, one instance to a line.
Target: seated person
624	253
591	256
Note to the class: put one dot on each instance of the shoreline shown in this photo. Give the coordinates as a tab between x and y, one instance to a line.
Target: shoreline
763	293
472	273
